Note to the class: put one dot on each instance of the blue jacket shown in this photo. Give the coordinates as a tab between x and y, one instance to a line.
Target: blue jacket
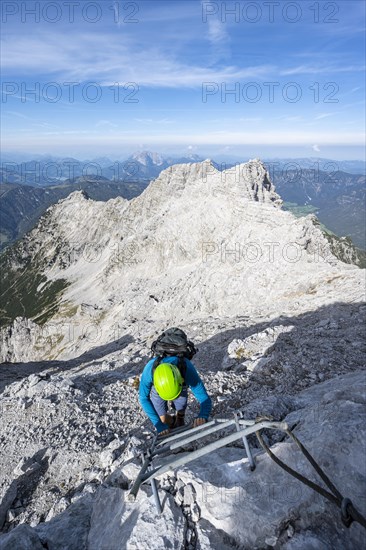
192	380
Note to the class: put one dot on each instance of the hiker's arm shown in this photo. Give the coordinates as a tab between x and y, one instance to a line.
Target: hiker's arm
144	395
194	381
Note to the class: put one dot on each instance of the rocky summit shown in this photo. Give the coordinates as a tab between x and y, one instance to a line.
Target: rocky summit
196	243
278	320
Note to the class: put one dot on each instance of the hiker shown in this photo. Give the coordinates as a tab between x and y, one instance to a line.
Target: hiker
167	377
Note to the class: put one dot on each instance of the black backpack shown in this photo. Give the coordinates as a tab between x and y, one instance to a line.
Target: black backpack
173	342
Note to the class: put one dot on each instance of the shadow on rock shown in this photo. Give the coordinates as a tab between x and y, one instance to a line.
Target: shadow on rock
14	372
282	355
29	472
333	335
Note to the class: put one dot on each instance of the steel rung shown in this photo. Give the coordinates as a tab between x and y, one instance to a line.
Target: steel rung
182	432
203	433
214	425
181	461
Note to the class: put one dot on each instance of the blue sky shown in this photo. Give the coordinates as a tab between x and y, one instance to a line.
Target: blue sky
110	78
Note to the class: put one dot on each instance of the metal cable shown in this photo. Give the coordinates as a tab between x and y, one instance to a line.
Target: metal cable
348	512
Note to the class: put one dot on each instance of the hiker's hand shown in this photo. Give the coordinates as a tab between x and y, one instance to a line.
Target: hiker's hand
199	422
163	433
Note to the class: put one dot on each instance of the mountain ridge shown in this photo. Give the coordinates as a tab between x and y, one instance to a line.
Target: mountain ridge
337	197
181	241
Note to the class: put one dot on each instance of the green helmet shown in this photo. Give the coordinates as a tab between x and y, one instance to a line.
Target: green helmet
168	381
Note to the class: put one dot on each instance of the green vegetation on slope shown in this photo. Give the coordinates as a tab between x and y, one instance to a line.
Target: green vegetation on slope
298	210
20	293
343	248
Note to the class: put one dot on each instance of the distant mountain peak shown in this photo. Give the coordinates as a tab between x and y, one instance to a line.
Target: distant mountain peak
76	196
147	158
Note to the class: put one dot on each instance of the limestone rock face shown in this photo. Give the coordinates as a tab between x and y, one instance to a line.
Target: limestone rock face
18	341
269	507
212	502
197	242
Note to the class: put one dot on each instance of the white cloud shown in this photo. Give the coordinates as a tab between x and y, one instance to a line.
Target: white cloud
217	32
17	114
155	121
88	138
251	119
105	61
115	62
45	125
217	35
295	118
321	69
324	115
105	124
